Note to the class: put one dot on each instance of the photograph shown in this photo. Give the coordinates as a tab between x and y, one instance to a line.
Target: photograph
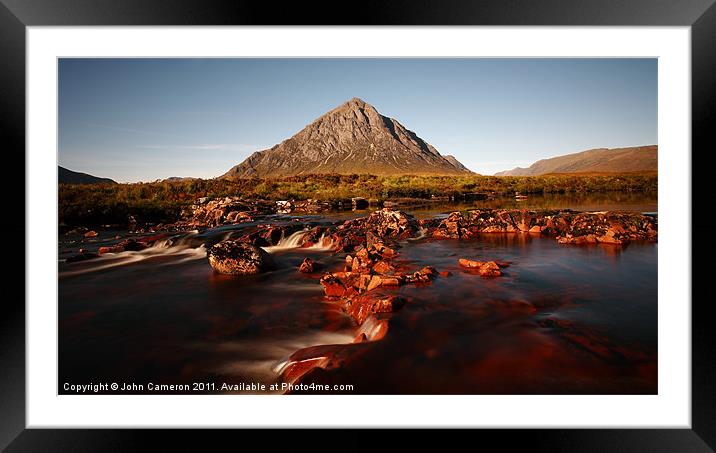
357	226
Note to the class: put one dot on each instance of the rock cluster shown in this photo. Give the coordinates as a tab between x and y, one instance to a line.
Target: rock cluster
569	227
228	210
369	270
383	224
364	287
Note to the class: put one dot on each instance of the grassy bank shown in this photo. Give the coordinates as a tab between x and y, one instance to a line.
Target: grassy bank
163	201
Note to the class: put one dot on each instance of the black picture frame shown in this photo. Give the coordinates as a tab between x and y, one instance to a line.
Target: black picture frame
16	15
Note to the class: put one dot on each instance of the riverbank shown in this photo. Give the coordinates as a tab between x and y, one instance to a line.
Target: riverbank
163	202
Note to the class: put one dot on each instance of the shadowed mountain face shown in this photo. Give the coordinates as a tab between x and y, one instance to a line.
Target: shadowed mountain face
65	176
601	160
352	138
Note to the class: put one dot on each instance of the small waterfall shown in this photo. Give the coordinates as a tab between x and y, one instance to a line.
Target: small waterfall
324	243
292	242
189	240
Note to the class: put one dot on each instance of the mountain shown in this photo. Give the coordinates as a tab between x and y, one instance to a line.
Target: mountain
65	176
352	138
601	160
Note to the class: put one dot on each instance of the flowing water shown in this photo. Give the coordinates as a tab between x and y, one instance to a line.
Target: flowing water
562	319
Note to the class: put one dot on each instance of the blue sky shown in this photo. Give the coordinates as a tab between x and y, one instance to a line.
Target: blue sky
146	119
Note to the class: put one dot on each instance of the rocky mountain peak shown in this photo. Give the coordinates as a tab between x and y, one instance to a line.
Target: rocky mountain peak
351	138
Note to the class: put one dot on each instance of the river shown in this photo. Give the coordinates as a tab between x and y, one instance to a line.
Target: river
562	319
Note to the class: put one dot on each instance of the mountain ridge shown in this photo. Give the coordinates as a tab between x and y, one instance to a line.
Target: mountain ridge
66	176
350	138
598	160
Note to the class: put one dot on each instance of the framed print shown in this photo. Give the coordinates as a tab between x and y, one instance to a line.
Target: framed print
473	216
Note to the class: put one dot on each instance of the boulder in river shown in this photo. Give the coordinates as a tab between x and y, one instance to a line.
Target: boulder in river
239	258
484	268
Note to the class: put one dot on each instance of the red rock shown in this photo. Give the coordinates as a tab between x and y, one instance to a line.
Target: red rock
370	239
441	234
362	254
490	269
382	267
471	264
233	257
615	228
536	229
112	249
388	304
361	266
361	307
349	263
332	286
368	282
389	281
91	234
608	240
485	269
445	273
374	283
429	272
385	252
307	266
588	239
351	291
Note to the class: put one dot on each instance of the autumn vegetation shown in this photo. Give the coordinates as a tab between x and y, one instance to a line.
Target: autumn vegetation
98	204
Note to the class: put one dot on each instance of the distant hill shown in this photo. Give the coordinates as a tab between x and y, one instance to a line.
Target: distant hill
178	179
352	138
65	176
601	160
